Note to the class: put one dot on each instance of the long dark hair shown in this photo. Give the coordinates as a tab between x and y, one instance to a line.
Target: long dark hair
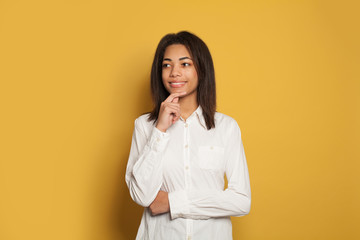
206	90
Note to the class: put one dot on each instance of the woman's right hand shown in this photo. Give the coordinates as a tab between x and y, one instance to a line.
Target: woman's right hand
169	111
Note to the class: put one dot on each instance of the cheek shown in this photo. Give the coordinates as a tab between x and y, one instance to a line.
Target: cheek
164	74
164	83
164	80
195	77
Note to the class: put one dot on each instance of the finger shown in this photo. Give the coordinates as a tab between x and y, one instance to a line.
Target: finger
175	100
175	119
171	97
172	104
177	116
175	113
169	108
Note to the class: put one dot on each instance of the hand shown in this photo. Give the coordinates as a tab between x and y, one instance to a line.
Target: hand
160	204
169	111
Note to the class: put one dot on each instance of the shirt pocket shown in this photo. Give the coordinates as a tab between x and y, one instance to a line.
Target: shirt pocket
210	157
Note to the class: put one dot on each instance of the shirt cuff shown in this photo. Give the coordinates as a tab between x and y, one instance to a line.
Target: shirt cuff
179	204
159	140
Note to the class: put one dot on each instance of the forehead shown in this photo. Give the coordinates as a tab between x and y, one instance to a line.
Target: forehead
176	51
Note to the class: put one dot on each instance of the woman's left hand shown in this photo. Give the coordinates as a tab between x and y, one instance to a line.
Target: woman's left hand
160	204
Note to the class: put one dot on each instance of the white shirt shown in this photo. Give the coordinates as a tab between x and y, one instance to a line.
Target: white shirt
189	162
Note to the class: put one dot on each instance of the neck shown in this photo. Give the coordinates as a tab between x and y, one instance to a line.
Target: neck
188	105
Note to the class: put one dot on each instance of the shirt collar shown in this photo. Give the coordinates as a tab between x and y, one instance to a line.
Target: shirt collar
200	116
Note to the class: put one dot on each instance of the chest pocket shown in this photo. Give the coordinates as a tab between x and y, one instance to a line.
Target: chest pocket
211	157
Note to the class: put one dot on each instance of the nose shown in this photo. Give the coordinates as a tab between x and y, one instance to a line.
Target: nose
175	71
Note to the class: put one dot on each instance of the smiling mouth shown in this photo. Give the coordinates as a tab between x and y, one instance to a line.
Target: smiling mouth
177	84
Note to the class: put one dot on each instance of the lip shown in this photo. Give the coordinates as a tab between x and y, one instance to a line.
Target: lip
177	84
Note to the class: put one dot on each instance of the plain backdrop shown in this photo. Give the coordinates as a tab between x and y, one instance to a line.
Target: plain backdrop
75	75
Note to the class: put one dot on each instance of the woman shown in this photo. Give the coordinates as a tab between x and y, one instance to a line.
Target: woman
181	151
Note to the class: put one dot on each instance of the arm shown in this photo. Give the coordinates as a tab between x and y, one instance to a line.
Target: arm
144	174
207	203
144	169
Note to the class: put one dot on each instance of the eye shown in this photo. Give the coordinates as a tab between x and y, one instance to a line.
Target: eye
166	65
186	64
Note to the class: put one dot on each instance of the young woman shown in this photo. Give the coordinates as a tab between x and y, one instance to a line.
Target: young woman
181	151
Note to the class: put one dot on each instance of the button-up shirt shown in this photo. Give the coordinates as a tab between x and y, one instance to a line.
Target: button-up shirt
189	162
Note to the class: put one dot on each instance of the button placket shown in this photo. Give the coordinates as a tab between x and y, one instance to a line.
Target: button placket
187	156
187	173
189	228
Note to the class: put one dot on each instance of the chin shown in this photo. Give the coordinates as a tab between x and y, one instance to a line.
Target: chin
176	90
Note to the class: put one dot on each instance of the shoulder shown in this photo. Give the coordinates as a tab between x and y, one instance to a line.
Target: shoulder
143	124
222	118
225	122
142	118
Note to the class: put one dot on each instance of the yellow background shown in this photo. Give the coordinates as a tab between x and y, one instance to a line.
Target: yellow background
75	74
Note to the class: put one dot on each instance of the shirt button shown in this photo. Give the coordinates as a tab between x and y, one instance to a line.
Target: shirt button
211	147
186	125
158	139
189	238
187	167
186	146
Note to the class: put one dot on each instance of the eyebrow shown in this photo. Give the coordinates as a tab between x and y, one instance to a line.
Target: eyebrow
182	58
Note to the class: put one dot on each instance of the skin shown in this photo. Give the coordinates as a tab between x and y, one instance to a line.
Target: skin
180	79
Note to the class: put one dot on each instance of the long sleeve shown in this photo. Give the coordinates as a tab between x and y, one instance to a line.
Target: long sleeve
144	169
207	203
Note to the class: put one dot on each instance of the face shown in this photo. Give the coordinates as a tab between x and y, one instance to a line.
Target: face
178	71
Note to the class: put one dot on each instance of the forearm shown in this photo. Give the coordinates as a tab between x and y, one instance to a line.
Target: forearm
145	180
144	170
204	204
